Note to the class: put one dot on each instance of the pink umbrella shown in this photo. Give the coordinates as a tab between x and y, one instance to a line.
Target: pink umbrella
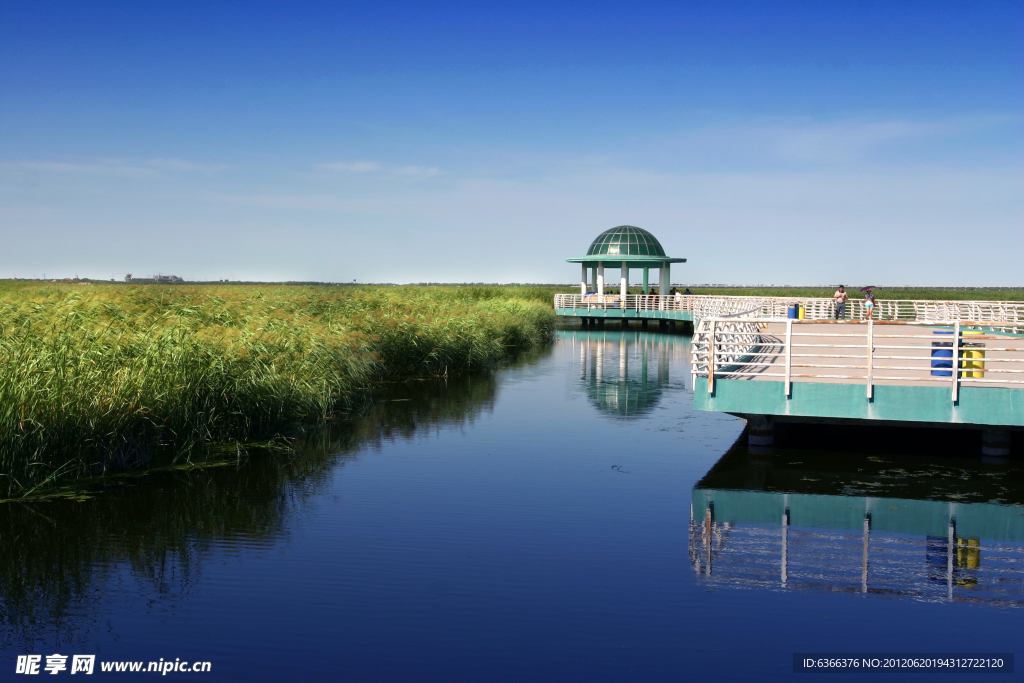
869	288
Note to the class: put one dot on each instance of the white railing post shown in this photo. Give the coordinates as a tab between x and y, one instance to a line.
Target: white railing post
711	358
956	361
871	350
789	357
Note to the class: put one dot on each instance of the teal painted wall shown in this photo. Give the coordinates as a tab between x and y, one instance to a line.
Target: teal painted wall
977	405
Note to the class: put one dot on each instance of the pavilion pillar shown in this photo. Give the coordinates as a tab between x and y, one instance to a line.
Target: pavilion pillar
663	285
646	270
624	282
600	277
583	282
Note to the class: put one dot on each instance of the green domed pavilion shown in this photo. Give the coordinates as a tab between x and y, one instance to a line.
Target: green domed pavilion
624	247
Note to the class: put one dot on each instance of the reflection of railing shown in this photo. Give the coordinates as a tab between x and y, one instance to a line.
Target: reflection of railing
870	352
1008	315
934	568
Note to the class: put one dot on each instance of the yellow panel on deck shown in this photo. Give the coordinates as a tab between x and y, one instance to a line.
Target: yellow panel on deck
974	351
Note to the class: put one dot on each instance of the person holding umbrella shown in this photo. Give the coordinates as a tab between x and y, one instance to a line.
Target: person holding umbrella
869	300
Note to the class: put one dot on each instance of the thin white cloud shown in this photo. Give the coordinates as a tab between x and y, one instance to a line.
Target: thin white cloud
844	141
109	168
184	166
379	168
387	205
350	166
113	167
827	143
418	171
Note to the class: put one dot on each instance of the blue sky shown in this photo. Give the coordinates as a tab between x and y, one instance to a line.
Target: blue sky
767	142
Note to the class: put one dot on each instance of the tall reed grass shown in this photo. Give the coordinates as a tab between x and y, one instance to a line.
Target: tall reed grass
112	377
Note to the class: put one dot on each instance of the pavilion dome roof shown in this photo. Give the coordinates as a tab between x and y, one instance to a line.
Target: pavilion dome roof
626	240
626	243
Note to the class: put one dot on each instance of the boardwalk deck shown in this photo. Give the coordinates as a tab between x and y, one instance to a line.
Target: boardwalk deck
902	355
879	371
751	358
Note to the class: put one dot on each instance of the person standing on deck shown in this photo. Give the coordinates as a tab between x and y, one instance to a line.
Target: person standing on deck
841	296
869	304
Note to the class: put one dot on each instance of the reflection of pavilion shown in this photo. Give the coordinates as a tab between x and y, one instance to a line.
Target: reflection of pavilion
626	372
746	529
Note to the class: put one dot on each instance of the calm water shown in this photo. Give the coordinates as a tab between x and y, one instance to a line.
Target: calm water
570	518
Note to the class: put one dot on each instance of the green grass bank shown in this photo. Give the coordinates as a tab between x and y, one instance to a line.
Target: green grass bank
95	379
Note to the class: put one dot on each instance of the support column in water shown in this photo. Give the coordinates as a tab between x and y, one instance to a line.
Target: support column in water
995	443
760	430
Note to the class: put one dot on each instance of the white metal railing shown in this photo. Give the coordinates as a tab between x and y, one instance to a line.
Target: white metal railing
1003	315
870	352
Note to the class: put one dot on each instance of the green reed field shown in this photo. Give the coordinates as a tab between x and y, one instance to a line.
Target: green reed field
97	379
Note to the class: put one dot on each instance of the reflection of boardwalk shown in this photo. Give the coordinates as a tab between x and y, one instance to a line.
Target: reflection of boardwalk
799	520
800	552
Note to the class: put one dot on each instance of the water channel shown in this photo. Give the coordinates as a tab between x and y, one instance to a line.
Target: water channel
570	517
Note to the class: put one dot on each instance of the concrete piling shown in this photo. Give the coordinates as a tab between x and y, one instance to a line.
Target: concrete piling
995	443
760	430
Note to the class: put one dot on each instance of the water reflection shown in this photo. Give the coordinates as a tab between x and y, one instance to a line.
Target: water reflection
626	372
61	559
939	529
